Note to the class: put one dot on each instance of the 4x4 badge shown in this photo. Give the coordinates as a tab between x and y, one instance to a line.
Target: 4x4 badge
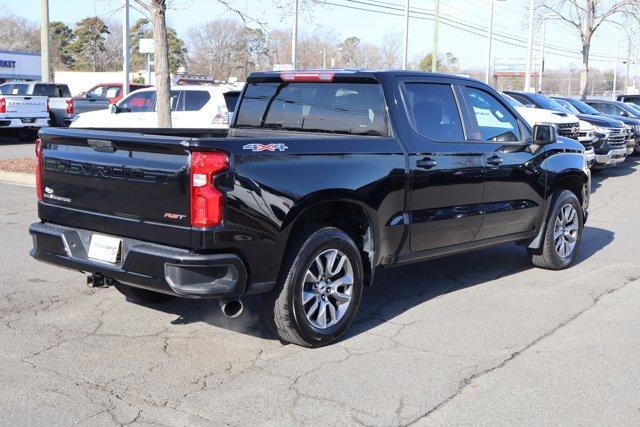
265	147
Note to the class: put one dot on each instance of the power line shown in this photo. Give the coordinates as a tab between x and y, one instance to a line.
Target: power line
475	30
428	12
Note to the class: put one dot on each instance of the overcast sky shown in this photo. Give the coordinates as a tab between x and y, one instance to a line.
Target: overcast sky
472	15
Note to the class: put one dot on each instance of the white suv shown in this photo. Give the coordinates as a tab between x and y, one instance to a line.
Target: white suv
192	107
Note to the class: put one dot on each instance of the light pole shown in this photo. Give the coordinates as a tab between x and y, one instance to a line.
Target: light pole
125	49
405	51
436	23
527	76
489	42
44	41
615	70
294	39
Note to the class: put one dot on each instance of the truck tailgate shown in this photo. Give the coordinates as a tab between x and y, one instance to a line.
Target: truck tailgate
25	106
124	184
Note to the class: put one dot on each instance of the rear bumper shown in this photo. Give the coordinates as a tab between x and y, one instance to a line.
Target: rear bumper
19	123
144	265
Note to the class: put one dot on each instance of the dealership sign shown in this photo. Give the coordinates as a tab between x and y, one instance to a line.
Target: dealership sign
4	63
19	65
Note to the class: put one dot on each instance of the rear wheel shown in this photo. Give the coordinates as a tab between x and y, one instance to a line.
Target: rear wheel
320	289
142	295
562	235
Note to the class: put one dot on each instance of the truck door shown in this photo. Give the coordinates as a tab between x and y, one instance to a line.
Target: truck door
446	172
514	185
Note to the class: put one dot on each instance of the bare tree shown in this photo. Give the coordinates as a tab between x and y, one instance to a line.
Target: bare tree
586	16
216	46
19	34
157	9
390	50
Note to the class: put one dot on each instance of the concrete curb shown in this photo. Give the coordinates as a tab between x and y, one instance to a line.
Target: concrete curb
18	178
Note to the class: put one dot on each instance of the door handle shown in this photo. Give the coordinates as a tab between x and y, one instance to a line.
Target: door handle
426	163
495	160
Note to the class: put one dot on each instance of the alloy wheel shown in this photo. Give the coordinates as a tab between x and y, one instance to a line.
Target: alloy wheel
565	234
327	288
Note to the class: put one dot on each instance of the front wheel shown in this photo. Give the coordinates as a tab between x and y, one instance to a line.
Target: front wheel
319	291
562	235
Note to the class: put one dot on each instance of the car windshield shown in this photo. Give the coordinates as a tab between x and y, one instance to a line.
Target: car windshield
584	108
548	103
512	101
633	109
567	105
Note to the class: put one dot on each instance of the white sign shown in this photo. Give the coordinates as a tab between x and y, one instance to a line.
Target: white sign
282	67
19	65
146	45
513	65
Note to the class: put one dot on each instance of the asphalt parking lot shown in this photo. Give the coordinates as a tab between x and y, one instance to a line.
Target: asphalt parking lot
479	338
10	147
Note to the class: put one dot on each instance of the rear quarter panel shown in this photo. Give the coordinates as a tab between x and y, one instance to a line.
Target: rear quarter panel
267	191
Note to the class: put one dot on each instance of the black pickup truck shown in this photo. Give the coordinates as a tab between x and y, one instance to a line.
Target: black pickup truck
325	177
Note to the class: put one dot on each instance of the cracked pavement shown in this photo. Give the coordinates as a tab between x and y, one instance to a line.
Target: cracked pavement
478	338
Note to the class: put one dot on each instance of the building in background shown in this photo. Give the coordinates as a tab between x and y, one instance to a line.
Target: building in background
19	66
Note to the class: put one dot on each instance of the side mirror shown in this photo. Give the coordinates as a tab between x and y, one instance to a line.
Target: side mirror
624	114
114	109
544	134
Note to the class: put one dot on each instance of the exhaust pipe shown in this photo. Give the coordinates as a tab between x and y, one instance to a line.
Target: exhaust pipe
231	308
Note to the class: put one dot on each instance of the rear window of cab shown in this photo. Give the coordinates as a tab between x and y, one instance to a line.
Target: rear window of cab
340	108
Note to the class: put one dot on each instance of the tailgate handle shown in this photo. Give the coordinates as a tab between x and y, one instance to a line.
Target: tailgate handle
102	145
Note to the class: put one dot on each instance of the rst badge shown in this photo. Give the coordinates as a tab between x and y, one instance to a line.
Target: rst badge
265	147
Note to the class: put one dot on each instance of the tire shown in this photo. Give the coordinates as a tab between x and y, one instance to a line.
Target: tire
295	320
142	295
26	135
562	229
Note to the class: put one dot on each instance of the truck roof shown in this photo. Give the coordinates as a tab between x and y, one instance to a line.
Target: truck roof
356	74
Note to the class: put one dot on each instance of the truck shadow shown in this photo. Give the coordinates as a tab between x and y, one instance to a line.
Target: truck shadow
396	289
626	168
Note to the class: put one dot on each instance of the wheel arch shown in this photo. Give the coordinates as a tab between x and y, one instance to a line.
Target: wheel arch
343	210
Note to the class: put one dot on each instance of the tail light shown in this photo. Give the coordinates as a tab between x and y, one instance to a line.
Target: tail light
70	106
206	200
221	119
40	163
3	105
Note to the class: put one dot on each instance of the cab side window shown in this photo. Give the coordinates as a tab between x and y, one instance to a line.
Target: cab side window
142	102
433	111
494	122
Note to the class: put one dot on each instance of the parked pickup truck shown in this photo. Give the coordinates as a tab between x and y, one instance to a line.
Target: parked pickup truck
101	96
325	177
61	109
23	114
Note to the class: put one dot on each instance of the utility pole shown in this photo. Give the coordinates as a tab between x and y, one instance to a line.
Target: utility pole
405	51
436	23
44	41
294	39
125	49
527	76
615	70
626	75
489	37
635	66
490	41
544	31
